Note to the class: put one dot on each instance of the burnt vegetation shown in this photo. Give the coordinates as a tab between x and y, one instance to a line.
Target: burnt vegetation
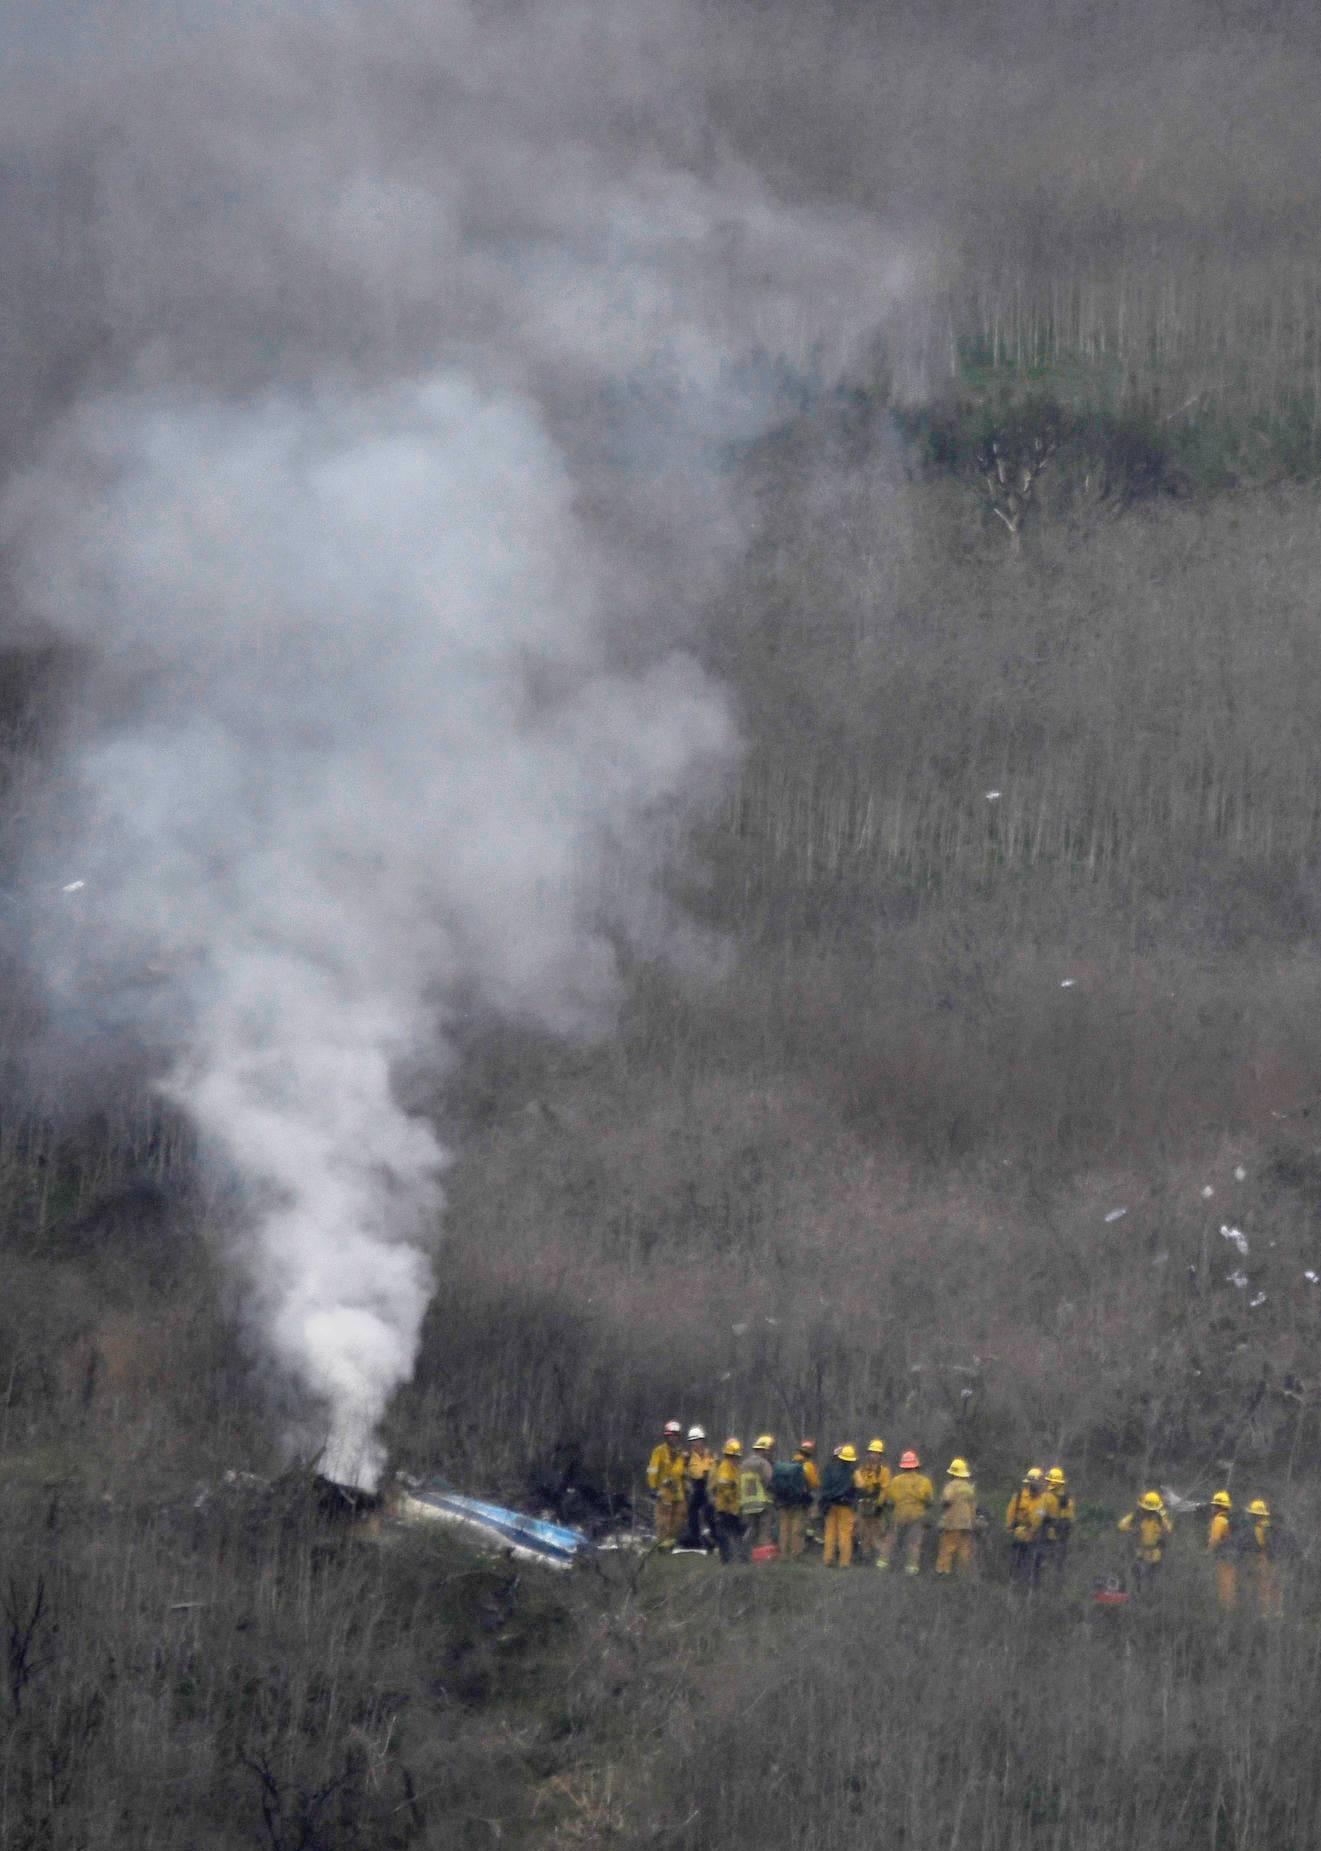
1012	913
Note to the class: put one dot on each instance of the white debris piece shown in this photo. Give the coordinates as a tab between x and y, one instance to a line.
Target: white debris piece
73	887
1260	1299
993	796
1238	1280
1068	983
1116	1214
1237	1236
1310	1277
1177	1504
739	1330
1207	1193
1240	1174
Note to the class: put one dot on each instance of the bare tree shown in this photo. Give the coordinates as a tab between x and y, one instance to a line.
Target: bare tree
1009	462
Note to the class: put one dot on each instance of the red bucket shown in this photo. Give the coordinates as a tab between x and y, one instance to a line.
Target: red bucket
766	1552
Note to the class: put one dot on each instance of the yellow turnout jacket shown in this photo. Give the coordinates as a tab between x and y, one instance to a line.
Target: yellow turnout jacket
726	1488
911	1496
701	1464
1025	1513
873	1482
958	1505
666	1472
1151	1527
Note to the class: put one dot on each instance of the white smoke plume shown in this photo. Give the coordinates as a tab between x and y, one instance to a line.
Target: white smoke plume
377	748
373	520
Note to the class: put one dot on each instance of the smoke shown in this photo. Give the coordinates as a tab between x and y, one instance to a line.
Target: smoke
372	455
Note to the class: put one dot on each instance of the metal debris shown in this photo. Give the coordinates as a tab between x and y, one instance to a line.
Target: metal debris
493	1527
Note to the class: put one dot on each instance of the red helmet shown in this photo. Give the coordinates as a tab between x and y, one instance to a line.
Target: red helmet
909	1461
807	1446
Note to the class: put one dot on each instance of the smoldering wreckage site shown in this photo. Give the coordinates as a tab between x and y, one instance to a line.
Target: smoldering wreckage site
366	522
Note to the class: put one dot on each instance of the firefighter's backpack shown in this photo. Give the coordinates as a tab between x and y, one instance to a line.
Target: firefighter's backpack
789	1484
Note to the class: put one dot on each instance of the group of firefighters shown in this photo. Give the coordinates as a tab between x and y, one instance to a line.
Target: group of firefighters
760	1503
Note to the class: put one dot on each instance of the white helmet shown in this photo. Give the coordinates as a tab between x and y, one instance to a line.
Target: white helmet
697	1433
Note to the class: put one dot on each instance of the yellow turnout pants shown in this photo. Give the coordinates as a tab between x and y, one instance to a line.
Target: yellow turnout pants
759	1526
906	1538
870	1532
670	1519
1270	1596
839	1536
955	1554
793	1532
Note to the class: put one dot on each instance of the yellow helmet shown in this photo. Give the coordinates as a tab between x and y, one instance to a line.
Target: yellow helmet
958	1468
1033	1475
1055	1476
733	1448
1150	1500
763	1442
1223	1501
876	1446
1259	1508
849	1454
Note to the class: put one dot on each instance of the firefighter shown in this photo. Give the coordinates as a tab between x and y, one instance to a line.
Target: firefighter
793	1486
957	1522
1259	1548
756	1489
666	1472
1220	1546
1057	1513
727	1503
873	1489
812	1472
909	1499
839	1495
1150	1524
1024	1515
700	1464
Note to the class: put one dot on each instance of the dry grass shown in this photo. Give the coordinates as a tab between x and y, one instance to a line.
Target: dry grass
244	1675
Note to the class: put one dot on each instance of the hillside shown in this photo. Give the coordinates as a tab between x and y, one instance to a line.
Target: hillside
232	1670
660	754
